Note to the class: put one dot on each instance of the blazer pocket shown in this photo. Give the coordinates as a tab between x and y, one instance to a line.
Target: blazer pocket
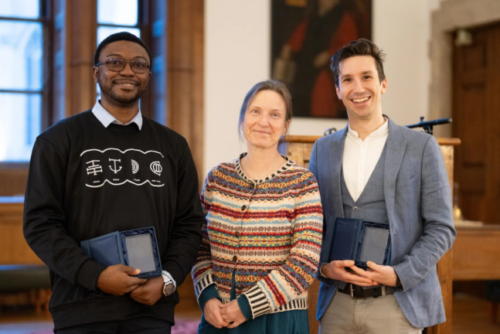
406	181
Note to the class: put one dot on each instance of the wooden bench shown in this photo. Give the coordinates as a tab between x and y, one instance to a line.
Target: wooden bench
25	284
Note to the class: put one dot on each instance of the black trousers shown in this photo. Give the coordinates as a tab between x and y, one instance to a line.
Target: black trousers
127	326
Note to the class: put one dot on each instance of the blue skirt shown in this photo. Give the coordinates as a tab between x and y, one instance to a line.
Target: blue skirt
289	322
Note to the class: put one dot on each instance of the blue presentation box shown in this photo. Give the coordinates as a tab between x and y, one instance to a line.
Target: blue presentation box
137	248
361	241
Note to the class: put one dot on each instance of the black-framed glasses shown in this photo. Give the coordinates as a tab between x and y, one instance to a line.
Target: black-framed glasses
118	64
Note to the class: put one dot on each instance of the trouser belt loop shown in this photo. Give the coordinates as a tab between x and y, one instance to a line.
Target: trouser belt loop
352	290
383	290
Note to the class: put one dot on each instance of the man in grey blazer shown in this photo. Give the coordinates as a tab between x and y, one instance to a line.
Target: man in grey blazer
380	172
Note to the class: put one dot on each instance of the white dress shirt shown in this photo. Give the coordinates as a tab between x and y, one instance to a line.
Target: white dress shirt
106	118
360	158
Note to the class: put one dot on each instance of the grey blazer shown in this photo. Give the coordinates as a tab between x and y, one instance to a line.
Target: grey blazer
418	200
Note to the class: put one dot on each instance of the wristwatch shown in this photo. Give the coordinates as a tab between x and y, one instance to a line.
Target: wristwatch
168	284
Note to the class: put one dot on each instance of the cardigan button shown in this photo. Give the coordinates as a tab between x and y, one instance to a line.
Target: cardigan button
355	208
243	208
237	234
235	258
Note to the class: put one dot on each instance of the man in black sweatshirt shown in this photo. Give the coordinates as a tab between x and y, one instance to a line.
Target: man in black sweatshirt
111	169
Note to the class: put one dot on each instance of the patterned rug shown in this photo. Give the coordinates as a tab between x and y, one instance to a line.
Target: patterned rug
185	327
181	327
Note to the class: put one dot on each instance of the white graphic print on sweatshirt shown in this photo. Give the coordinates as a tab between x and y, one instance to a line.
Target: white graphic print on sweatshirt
117	167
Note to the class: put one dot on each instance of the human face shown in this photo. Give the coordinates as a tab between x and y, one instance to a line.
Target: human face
123	88
265	120
360	88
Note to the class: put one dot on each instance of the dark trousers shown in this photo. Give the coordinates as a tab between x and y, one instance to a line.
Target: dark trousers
127	326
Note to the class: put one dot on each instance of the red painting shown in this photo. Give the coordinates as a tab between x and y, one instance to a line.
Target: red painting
305	35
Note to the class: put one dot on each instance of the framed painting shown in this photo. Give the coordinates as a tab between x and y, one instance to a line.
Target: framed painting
305	35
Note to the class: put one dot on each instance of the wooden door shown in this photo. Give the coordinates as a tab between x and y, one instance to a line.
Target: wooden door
476	121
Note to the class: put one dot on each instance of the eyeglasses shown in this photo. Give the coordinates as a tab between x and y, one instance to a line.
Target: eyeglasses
118	64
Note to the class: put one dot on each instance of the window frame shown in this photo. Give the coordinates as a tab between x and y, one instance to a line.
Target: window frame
45	90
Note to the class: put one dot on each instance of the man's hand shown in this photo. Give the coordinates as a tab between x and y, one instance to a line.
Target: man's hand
148	293
116	280
212	313
385	275
231	313
337	270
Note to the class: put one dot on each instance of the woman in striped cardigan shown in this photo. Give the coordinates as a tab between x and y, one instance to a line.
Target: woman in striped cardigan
263	230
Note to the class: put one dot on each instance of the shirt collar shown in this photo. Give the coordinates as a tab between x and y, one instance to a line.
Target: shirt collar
383	130
106	118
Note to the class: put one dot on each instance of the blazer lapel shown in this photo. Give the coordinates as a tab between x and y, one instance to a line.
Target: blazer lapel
396	145
337	149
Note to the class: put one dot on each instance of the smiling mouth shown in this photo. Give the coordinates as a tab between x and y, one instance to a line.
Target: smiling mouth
361	99
126	84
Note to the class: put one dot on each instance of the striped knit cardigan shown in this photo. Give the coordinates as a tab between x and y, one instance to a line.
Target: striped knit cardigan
267	232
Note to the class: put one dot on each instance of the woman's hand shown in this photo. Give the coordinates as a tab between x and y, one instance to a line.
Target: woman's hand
231	313
212	312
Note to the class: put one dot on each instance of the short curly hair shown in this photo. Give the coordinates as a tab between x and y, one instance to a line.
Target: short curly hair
119	36
359	47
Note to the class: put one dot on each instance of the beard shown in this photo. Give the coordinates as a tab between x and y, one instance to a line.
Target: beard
108	91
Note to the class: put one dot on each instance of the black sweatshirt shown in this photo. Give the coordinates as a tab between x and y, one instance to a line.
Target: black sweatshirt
86	180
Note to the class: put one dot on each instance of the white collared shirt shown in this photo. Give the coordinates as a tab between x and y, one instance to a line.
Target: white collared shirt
361	156
106	118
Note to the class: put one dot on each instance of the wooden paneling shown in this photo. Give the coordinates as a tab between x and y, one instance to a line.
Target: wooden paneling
185	112
176	92
81	42
299	149
13	246
476	252
74	43
13	181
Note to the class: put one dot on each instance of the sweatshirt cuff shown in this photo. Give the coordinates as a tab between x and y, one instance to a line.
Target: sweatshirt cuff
245	308
210	292
89	273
